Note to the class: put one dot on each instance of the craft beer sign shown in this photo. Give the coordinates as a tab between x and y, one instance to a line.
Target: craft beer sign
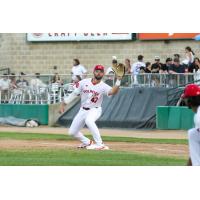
43	37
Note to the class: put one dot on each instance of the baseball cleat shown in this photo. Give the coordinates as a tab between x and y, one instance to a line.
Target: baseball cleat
97	147
82	146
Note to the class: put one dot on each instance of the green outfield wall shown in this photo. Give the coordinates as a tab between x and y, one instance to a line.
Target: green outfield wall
174	117
38	112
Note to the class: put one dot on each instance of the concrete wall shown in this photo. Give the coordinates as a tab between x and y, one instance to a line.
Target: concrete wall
20	55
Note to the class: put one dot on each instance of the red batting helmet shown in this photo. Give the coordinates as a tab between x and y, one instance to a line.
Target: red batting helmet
99	67
191	90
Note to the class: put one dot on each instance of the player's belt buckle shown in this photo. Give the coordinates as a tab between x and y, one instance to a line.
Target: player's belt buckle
86	108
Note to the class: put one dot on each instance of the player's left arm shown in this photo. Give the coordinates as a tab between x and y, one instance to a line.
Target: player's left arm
115	88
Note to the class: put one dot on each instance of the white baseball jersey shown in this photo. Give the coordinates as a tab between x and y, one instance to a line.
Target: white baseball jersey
91	95
78	70
194	140
135	69
197	118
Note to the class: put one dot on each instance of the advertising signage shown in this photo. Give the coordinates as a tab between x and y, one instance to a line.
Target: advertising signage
43	37
166	36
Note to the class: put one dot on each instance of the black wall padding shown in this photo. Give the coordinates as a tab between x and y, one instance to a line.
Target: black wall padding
130	108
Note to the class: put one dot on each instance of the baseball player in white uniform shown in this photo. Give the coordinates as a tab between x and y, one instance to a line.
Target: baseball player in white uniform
91	91
191	96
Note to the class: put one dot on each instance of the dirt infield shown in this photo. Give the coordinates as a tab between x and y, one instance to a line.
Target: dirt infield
156	149
167	134
178	150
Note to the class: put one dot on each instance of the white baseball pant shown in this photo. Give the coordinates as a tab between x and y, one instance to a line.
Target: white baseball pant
194	146
86	117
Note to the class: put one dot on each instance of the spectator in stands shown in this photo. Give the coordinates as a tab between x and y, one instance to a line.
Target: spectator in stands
164	71
176	55
36	83
5	82
22	82
135	69
146	69
127	78
165	67
56	79
78	72
189	56
195	66
175	69
145	79
110	75
128	66
110	78
4	88
109	71
155	68
13	84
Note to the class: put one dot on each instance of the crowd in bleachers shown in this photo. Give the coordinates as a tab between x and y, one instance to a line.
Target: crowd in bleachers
34	89
172	71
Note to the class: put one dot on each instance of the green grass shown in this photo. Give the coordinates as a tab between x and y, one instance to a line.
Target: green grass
40	136
66	157
83	158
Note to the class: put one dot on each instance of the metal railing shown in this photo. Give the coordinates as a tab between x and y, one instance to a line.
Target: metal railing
5	71
29	89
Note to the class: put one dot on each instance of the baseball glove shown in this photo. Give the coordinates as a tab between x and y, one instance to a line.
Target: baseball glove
119	69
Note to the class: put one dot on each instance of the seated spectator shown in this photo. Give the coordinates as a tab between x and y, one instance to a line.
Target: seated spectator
78	72
22	82
36	83
56	79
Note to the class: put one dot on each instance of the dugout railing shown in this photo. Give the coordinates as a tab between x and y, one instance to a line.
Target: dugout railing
32	89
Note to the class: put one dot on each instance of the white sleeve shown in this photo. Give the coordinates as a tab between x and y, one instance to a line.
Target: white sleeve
70	98
197	118
74	94
78	88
